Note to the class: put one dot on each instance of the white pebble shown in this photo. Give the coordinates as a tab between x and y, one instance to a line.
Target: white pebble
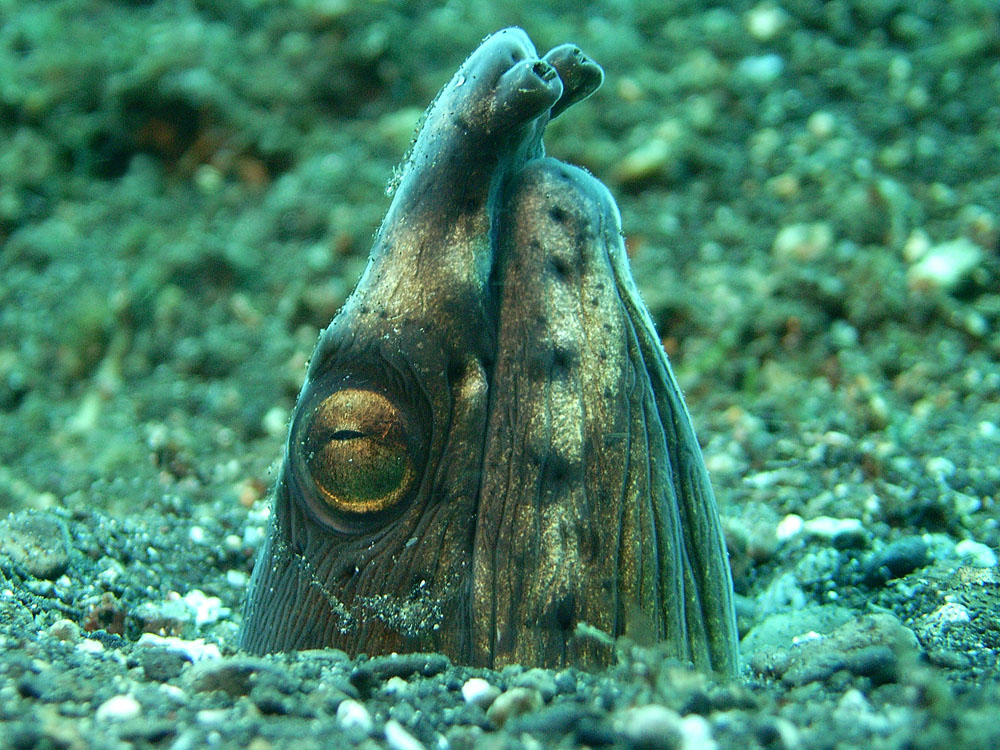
789	526
119	708
940	467
517	701
197	535
90	646
65	630
828	528
761	69
399	739
650	726
976	553
206	609
211	717
765	21
803	242
821	124
275	422
947	614
696	733
237	578
945	266
350	713
195	650
988	430
396	685
479	692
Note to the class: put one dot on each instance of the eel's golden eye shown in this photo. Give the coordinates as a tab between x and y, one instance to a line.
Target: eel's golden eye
357	452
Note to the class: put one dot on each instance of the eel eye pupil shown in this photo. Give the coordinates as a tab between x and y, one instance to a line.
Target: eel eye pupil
347	435
358	453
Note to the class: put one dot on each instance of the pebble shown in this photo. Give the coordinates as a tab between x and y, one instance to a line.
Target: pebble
37	544
479	692
841	532
65	630
118	708
90	646
765	21
160	664
897	560
194	650
872	646
976	553
803	242
407	665
762	70
645	161
789	526
350	714
651	726
541	680
237	675
512	703
399	739
945	266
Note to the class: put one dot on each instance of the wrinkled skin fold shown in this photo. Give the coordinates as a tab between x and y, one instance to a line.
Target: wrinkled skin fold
490	449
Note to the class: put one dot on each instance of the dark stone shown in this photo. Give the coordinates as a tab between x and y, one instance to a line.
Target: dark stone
161	664
407	665
363	680
38	686
559	719
156	730
36	543
566	682
24	737
878	663
592	732
898	559
270	701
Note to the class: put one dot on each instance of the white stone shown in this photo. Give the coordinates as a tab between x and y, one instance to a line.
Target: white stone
945	266
650	725
761	69
949	613
940	467
976	553
821	124
237	578
803	242
350	713
765	21
206	609
479	692
275	422
90	646
828	528
399	739
118	708
696	733
806	637
396	685
195	650
211	717
789	526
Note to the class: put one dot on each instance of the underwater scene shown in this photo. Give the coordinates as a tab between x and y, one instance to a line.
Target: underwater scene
506	375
